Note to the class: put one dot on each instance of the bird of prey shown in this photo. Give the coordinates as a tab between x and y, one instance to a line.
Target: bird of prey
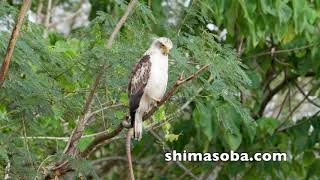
148	82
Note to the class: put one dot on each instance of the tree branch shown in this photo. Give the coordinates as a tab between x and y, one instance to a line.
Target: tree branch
39	11
305	95
47	19
121	22
71	147
185	169
285	50
13	40
274	91
128	152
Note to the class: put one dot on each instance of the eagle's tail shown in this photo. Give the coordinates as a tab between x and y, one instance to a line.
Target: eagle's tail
138	126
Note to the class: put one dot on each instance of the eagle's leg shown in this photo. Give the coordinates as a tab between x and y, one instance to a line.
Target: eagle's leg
138	123
138	119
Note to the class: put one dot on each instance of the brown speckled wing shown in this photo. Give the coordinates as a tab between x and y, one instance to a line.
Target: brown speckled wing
138	81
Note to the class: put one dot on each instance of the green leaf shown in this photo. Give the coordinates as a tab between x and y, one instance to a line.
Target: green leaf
267	125
4	154
171	137
267	7
314	169
84	142
202	116
229	118
233	139
308	157
284	13
160	114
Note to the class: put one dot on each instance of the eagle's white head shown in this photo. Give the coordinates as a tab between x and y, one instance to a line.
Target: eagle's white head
163	44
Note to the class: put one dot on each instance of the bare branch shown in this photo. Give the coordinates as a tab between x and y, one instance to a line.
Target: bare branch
185	169
47	19
121	22
60	138
280	127
39	11
278	88
174	88
13	40
305	95
284	50
282	104
71	147
7	170
299	104
71	17
100	139
128	152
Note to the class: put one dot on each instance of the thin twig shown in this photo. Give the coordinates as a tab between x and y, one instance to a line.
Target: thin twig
39	11
278	88
121	22
299	104
284	50
13	40
281	128
60	138
185	169
71	17
47	19
71	147
102	113
282	104
293	110
305	95
24	133
174	88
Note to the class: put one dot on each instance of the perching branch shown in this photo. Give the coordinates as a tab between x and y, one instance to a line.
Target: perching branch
174	88
13	40
104	137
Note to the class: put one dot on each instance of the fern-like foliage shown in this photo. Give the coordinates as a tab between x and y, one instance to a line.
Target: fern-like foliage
49	79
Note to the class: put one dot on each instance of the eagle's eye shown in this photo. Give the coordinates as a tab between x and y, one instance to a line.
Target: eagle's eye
162	45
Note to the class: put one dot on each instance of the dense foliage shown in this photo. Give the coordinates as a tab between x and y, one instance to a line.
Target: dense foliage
266	69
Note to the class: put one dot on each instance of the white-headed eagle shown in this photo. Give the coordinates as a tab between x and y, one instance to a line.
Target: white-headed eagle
148	82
